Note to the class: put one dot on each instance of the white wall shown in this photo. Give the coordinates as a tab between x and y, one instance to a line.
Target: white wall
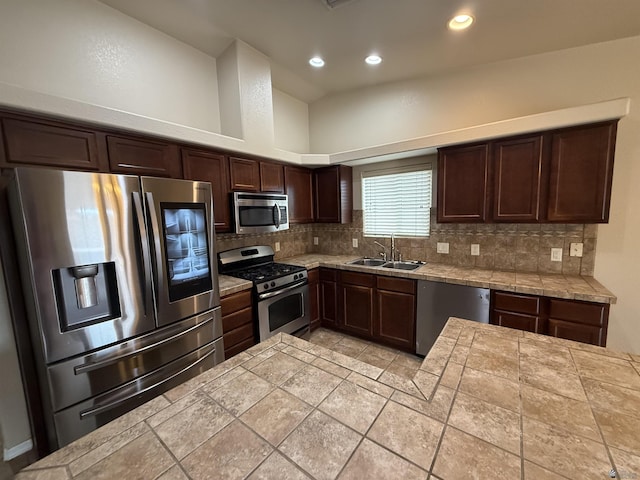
510	89
290	122
87	51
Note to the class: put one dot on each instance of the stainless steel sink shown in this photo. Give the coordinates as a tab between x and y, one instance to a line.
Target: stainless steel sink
368	262
403	265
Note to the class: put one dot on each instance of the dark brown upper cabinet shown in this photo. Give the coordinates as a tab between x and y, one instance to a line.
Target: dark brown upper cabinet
245	174
32	141
271	177
211	167
333	194
559	176
298	184
463	187
518	172
143	157
581	174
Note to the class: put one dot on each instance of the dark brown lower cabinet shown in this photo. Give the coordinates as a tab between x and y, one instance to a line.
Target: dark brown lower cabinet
328	298
570	319
395	319
237	323
313	276
356	292
373	307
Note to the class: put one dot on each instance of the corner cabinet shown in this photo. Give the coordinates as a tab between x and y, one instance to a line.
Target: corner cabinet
463	174
298	184
581	174
210	167
559	176
333	194
576	320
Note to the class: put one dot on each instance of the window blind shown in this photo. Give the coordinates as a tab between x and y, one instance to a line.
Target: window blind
397	203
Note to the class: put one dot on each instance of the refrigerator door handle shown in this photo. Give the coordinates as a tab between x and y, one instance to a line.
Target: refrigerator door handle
91	366
155	230
98	409
146	254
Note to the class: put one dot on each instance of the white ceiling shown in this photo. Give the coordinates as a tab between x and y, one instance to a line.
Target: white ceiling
410	35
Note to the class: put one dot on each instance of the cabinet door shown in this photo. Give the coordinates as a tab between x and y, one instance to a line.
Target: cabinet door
518	175
50	144
519	321
271	177
581	321
211	167
314	297
143	157
581	171
463	189
356	303
245	174
395	322
299	187
333	194
328	298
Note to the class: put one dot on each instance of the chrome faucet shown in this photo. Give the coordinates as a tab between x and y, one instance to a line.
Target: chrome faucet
384	253
393	248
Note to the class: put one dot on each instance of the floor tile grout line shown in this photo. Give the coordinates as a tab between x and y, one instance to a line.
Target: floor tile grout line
168	450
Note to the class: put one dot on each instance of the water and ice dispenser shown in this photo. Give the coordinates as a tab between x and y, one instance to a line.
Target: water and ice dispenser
86	294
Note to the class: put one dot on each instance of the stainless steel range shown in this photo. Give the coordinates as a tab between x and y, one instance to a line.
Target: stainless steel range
281	291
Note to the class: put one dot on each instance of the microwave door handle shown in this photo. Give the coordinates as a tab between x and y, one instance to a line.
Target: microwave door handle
276	215
146	254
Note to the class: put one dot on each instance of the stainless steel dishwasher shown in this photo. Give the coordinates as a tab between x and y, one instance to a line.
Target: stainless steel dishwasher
437	301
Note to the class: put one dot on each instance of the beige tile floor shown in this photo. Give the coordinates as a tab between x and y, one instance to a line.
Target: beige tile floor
389	359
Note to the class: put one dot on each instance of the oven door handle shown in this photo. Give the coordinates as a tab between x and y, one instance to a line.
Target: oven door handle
264	296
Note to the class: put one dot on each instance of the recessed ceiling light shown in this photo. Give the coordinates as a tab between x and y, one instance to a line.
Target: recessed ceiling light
460	22
316	62
373	59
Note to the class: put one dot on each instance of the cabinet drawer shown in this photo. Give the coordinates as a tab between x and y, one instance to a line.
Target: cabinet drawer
361	279
328	275
579	312
237	301
578	332
514	302
237	319
529	323
238	335
395	284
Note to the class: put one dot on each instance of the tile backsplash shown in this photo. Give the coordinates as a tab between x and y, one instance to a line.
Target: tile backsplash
510	247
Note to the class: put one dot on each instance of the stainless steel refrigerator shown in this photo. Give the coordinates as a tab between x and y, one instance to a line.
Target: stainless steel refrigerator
120	286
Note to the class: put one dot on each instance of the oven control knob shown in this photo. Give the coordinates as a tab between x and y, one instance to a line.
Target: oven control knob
295	277
273	284
266	286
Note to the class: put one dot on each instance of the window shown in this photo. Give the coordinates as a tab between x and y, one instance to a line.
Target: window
397	202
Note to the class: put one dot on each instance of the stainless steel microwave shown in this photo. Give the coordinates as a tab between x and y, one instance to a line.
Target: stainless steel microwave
260	212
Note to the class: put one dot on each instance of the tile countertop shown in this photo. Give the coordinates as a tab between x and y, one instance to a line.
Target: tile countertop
573	287
488	402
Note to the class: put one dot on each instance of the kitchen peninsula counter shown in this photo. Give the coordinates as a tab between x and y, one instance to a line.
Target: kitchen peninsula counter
487	402
573	287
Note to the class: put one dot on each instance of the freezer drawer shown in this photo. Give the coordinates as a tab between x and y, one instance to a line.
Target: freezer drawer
437	301
78	420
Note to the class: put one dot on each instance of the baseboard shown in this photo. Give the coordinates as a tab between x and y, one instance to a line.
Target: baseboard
20	449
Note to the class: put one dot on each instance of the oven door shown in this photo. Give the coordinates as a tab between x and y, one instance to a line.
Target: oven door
285	311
